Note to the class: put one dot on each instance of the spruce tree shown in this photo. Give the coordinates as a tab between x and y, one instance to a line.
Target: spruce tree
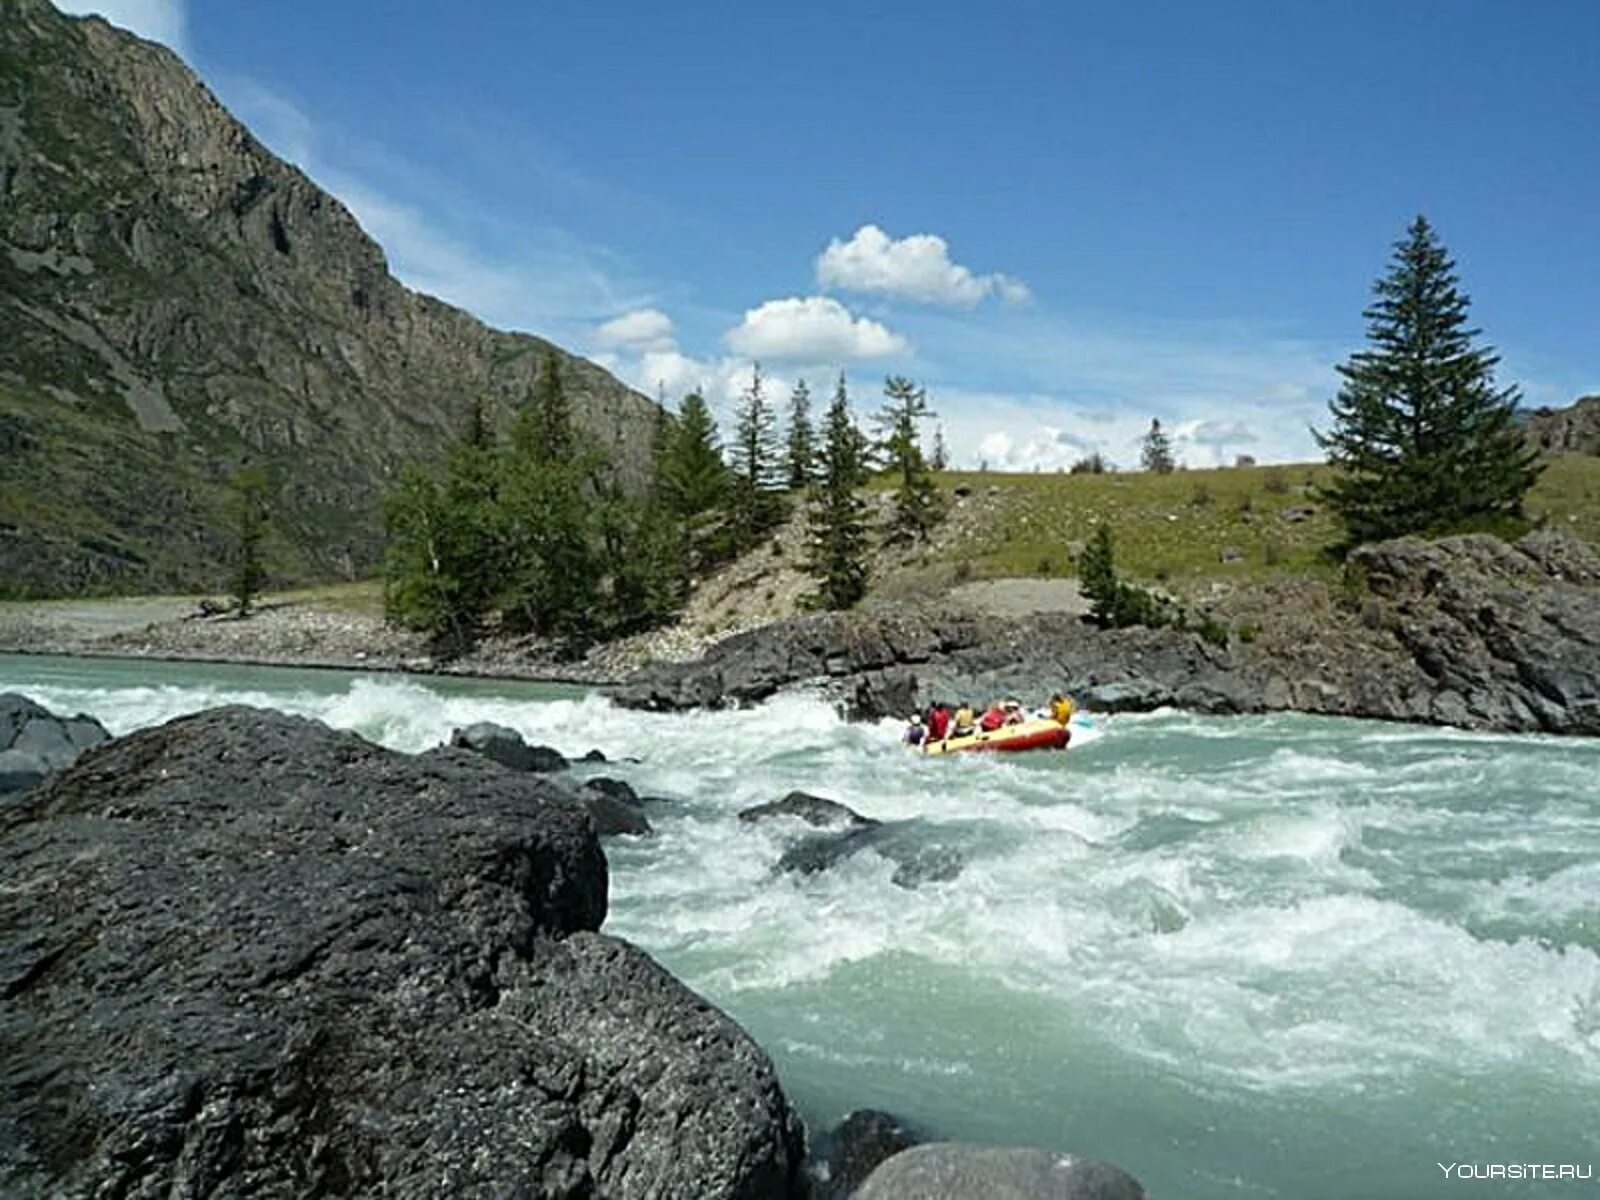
837	525
247	516
802	451
553	573
941	454
755	507
1155	452
1422	439
696	483
917	506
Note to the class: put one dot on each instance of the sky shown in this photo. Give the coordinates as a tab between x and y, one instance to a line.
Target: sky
1064	220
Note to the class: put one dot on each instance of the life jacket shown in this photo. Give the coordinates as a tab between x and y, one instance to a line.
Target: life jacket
964	720
938	724
1061	711
991	720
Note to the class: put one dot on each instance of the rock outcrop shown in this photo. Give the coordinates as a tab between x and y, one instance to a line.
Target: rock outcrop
34	741
813	810
505	746
956	1171
243	954
175	299
1571	430
856	1147
1466	631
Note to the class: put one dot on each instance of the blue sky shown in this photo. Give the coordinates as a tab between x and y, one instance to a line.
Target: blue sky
1063	219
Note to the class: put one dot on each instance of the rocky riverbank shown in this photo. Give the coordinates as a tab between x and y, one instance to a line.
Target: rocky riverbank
1466	631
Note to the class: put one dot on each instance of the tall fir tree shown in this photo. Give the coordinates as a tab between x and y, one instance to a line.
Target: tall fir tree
755	507
696	484
802	450
838	524
247	518
940	461
552	568
1155	450
917	506
1422	439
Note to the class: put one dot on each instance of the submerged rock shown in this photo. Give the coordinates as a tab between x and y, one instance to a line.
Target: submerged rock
35	741
813	810
856	1147
904	843
506	747
244	954
958	1171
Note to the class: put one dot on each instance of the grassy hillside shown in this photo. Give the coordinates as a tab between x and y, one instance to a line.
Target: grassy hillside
1189	528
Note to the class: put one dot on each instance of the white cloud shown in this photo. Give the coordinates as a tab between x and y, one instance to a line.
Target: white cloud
809	329
912	268
641	329
163	21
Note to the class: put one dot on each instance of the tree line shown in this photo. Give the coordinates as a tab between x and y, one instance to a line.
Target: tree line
532	530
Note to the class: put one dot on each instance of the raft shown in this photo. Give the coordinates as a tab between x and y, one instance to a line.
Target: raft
1039	734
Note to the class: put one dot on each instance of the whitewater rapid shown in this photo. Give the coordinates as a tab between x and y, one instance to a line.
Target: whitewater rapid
1270	956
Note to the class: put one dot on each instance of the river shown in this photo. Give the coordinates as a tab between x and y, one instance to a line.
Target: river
1242	957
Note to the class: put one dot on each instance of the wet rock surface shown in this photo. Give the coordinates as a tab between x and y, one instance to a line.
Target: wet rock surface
855	1147
1468	631
956	1171
813	810
506	747
244	954
35	741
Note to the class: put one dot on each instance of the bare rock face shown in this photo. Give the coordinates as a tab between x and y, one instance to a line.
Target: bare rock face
243	954
1571	430
1467	631
179	299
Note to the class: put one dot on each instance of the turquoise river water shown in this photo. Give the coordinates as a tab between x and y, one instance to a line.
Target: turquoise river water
1251	957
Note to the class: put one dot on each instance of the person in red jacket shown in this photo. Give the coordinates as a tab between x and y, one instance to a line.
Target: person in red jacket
938	721
993	717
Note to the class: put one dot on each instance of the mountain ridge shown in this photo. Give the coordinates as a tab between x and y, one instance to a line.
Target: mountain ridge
176	300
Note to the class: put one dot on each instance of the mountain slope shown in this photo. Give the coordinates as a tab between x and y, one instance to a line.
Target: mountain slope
176	301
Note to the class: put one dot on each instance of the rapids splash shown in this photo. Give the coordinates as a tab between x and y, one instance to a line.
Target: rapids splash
1247	957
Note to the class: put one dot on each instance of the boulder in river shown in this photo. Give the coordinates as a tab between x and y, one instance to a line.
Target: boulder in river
35	741
958	1171
813	810
918	859
506	747
615	807
244	954
855	1147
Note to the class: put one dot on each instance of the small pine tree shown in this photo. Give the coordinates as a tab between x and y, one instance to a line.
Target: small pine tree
247	518
756	473
1114	604
917	505
1423	440
941	454
1155	451
837	526
802	450
546	435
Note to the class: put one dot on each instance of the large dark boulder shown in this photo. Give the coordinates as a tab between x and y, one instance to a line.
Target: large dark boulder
956	1171
35	741
244	954
506	747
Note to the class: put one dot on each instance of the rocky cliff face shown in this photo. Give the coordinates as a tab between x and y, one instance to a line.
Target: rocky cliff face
1465	631
175	300
242	954
1573	430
